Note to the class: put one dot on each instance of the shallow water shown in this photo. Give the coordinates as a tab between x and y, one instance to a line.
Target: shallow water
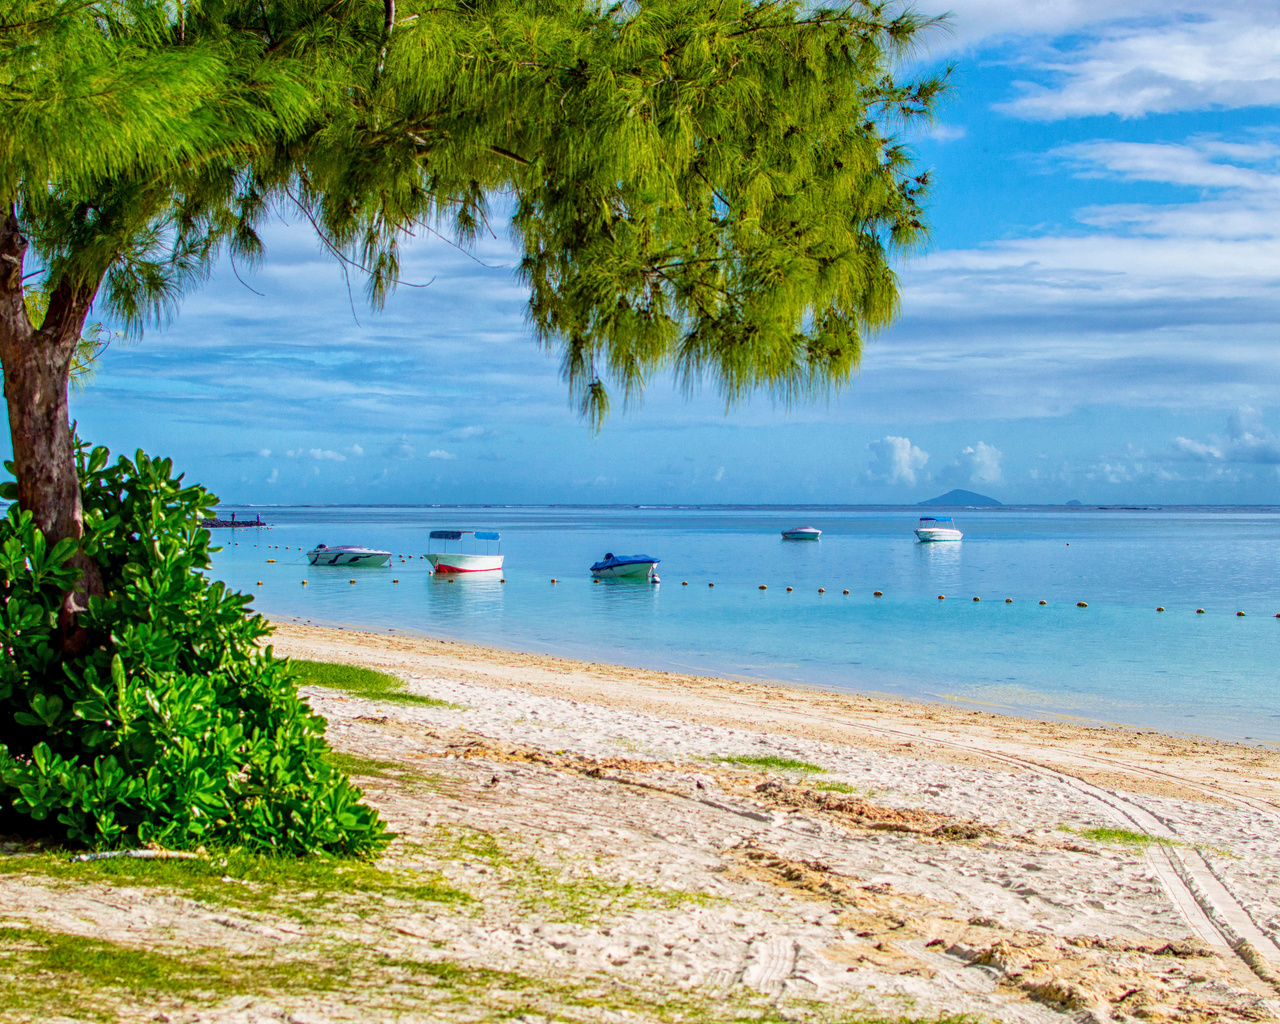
1118	660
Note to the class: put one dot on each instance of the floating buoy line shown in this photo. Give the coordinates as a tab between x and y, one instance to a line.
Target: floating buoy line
764	586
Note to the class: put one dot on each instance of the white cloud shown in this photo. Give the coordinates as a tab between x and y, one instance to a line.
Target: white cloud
264	453
275	475
440	453
1192	163
1169	305
719	475
945	132
979	464
1246	440
895	460
468	433
1130	57
323	454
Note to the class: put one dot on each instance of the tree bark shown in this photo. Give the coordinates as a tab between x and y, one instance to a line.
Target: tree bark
37	368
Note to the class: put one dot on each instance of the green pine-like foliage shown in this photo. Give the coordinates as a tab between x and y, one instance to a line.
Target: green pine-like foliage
714	190
173	726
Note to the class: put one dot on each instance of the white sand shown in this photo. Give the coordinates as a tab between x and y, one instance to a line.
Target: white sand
937	864
1035	888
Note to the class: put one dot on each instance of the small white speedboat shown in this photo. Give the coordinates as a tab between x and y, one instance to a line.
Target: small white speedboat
934	528
446	561
347	554
802	533
612	566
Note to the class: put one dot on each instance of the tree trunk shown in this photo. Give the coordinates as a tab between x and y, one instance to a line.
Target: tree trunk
37	368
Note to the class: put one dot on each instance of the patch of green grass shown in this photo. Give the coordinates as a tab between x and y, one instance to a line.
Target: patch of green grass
770	761
354	764
303	888
1106	834
556	895
46	975
363	682
1119	835
59	974
839	787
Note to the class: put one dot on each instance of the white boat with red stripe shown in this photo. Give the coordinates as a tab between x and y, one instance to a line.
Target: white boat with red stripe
446	561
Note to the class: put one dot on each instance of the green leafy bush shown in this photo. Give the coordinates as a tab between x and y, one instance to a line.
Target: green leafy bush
172	725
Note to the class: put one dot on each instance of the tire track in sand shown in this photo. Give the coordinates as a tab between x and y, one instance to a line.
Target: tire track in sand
1210	908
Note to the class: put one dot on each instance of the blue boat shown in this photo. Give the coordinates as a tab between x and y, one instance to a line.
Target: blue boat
624	565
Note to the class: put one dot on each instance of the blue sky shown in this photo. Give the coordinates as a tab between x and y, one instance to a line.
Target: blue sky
1096	318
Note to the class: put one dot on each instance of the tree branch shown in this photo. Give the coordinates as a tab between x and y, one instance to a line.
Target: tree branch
509	155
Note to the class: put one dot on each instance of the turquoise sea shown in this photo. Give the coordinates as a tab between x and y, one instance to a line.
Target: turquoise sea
1118	660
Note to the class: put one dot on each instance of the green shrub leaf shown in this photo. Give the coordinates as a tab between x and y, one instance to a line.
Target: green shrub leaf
174	725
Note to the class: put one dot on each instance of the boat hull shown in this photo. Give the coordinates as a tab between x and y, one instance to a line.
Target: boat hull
457	563
934	535
640	569
354	559
801	534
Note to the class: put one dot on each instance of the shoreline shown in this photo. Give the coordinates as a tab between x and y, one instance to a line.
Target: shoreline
1142	760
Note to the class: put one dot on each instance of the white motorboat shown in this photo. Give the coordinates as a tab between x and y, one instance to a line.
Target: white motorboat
934	528
446	561
612	566
347	554
802	533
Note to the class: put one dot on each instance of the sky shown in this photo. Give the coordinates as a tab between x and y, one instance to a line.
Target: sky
1095	318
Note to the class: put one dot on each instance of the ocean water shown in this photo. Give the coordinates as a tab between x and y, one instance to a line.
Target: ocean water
1118	660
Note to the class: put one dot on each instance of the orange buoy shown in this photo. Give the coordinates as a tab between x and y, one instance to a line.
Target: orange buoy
822	590
1044	602
942	597
878	593
1199	611
763	587
553	579
1008	600
395	581
684	583
259	582
846	593
503	580
1081	604
1159	607
977	599
1240	615
711	584
270	559
304	583
788	590
352	581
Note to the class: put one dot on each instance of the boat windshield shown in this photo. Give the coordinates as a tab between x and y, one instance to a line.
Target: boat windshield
936	519
476	536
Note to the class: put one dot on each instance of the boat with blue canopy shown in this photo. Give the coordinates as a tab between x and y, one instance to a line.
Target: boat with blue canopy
446	561
625	565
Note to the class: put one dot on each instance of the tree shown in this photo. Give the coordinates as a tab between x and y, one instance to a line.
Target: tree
711	188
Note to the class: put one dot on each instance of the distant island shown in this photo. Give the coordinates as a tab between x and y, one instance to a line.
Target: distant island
959	497
1073	502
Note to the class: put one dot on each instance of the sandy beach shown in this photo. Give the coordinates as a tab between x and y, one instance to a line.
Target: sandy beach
639	845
